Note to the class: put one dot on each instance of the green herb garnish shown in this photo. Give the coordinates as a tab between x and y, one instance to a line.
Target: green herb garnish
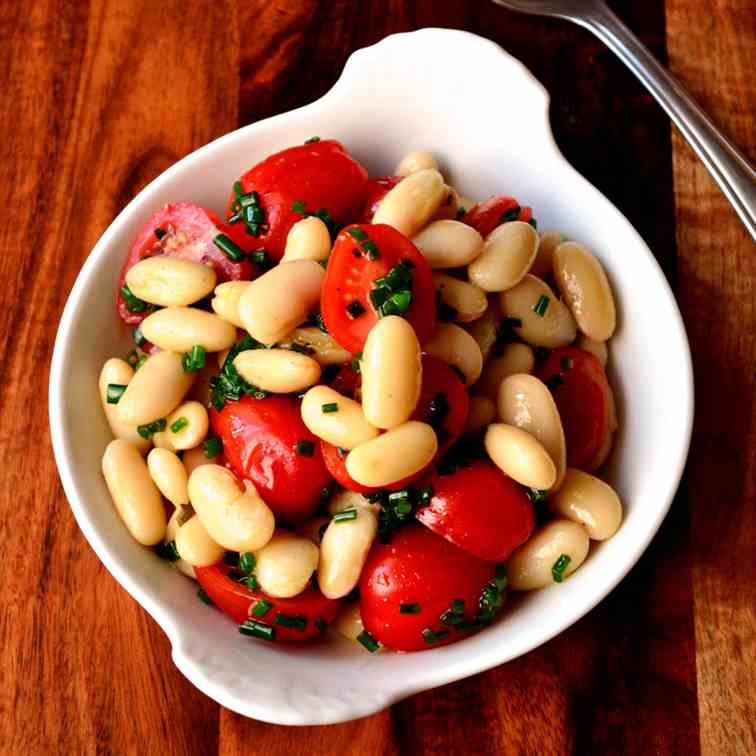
558	568
194	360
512	214
160	232
133	303
540	307
139	338
305	447
367	640
357	233
409	608
372	249
212	447
346	516
168	551
329	407
261	607
228	385
298	622
537	495
257	629
203	597
114	392
179	425
431	637
148	430
247	562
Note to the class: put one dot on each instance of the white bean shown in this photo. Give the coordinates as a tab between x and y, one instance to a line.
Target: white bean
533	564
346	427
519	455
467	300
155	390
178	516
280	371
135	496
348	623
178	329
508	253
195	546
412	162
589	502
544	263
394	455
285	564
169	475
525	402
118	372
449	244
170	281
308	239
458	348
279	300
412	202
392	373
514	358
597	348
554	327
225	303
485	330
480	413
324	349
583	283
190	434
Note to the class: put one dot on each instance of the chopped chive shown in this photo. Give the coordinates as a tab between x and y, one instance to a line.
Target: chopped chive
148	430
329	407
179	425
298	206
510	215
132	357
431	637
168	551
238	191
203	597
533	222
536	495
458	606
212	447
397	304
160	232
342	452
561	564
540	307
193	361
142	359
461	212
409	608
367	640
554	381
257	629
139	338
305	447
247	562
298	622
425	494
251	583
312	140
261	607
372	249
355	309
301	348
260	257
345	516
355	363
133	303
115	392
565	363
229	248
357	233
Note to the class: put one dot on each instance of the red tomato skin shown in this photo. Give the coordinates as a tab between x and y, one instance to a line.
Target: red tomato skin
479	509
321	174
584	399
236	600
259	443
190	232
344	266
377	189
418	567
485	216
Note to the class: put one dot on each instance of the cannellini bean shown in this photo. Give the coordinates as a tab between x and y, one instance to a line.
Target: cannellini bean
118	372
457	348
411	203
285	564
324	349
280	371
135	496
449	243
392	373
589	502
169	475
555	327
178	329
178	516
597	348
480	413
514	358
170	281
466	299
190	434
412	162
526	403
485	330
348	623
543	265
308	239
238	521
155	390
196	457
508	253
343	552
519	455
583	283
225	303
280	299
195	546
531	565
396	454
449	206
346	427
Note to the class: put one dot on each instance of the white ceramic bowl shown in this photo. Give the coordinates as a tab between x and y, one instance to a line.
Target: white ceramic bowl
423	90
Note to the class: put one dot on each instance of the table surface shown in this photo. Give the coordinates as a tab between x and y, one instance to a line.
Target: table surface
99	98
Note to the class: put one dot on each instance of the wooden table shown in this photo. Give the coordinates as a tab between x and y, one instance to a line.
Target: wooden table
101	96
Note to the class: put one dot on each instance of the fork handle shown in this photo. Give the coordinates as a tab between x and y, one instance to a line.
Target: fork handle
729	167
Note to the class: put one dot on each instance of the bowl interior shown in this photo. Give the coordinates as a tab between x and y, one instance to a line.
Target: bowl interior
408	92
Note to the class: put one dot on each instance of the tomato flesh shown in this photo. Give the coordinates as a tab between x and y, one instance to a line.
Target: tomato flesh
421	570
237	601
479	509
260	439
485	216
321	174
377	189
350	278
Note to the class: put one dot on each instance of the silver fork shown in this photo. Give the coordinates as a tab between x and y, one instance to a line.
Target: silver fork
729	167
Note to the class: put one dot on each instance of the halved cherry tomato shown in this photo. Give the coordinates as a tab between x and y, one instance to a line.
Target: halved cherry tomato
479	509
260	438
487	215
186	230
350	278
585	402
406	586
236	600
321	175
378	188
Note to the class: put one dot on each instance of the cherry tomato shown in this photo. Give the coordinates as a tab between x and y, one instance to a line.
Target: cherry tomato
321	175
260	438
236	600
350	278
479	509
408	584
486	216
186	230
585	402
378	188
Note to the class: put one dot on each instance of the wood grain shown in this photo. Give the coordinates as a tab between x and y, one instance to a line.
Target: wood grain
100	97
